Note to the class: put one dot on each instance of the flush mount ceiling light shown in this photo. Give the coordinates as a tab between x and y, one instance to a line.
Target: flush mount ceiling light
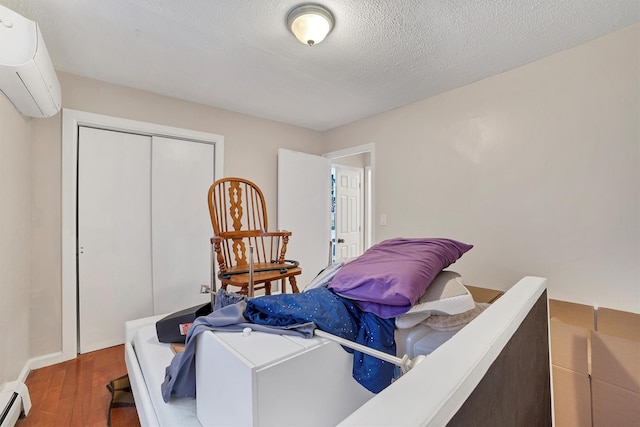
310	23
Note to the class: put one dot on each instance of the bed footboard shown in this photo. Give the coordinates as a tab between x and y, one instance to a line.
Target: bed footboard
515	390
494	372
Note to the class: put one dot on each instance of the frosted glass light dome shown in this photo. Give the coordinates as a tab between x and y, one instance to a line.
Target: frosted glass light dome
310	23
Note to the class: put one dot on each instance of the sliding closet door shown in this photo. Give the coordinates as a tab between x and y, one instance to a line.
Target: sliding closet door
114	234
182	172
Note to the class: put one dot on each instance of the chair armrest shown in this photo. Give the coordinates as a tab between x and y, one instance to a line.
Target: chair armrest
249	234
281	233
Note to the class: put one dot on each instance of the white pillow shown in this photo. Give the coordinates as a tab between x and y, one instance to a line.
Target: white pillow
445	295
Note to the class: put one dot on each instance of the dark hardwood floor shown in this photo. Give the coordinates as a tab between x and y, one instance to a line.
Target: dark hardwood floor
74	393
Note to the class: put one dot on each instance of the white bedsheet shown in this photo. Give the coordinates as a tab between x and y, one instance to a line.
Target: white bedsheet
153	357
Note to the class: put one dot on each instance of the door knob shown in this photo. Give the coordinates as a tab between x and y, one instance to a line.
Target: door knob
340	240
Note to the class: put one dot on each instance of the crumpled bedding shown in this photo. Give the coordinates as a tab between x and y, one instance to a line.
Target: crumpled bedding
338	316
180	375
294	314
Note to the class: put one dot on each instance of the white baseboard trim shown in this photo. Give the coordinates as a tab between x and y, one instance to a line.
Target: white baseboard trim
23	404
48	359
19	386
24	373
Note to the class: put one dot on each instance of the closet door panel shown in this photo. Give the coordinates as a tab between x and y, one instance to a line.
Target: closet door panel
182	172
114	235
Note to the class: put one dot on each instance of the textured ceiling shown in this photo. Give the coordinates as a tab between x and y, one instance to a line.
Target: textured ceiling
238	54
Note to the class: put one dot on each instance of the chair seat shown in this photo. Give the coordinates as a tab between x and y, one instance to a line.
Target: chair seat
263	277
260	277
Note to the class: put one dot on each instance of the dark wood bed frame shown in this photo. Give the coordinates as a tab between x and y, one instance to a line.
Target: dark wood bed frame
516	391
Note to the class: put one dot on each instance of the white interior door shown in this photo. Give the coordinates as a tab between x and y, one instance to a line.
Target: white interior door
114	234
182	172
304	193
349	217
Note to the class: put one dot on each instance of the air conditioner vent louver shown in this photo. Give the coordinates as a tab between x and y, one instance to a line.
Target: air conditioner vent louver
27	76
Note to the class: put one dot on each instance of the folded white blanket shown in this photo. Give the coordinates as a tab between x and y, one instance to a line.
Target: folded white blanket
454	322
445	295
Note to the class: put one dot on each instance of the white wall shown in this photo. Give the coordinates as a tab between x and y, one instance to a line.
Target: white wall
538	167
250	147
15	244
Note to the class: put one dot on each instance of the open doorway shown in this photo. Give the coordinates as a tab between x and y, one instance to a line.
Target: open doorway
351	201
305	205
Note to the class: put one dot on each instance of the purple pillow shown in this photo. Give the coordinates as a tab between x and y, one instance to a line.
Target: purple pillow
389	277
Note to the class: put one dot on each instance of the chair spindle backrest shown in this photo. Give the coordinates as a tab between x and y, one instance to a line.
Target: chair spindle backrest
238	216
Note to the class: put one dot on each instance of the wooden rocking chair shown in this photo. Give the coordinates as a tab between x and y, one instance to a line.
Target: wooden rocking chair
239	218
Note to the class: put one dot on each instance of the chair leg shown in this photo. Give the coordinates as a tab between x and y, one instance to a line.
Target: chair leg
294	286
267	288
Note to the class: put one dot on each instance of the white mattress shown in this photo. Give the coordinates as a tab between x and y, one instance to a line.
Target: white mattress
153	357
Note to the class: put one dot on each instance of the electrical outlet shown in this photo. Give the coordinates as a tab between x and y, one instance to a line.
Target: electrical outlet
383	219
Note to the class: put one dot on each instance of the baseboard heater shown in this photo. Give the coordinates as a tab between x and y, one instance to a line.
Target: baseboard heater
14	400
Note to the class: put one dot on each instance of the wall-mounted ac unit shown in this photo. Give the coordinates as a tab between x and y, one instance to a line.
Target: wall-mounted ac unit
27	76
